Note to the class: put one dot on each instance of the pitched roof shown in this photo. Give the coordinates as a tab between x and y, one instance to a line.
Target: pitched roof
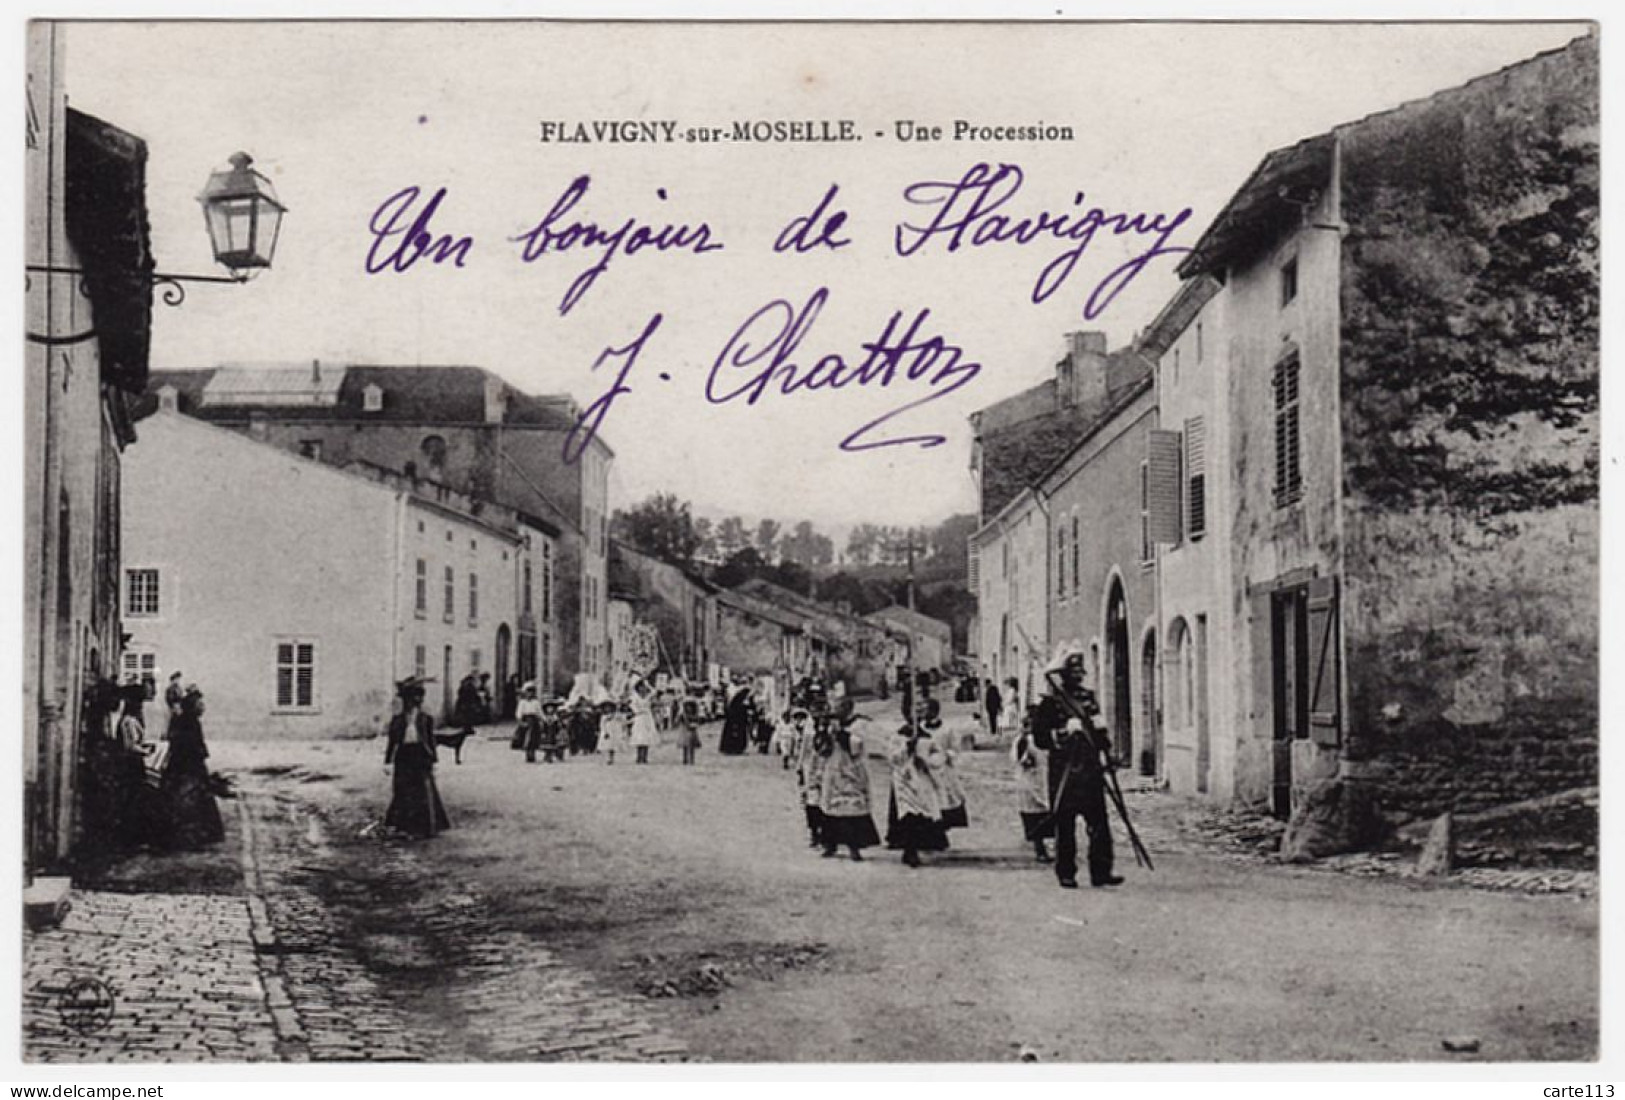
913	620
762	609
423	395
1018	455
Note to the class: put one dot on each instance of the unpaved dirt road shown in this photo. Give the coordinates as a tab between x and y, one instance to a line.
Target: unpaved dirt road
695	888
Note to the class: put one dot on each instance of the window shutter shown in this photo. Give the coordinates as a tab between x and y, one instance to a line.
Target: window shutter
1323	670
1163	486
1196	476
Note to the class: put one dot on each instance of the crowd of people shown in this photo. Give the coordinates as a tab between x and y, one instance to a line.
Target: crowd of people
146	790
1059	757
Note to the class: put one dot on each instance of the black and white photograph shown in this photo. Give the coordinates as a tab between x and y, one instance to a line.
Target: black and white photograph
1013	543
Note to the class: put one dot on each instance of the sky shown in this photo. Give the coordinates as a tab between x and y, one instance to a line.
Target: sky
343	116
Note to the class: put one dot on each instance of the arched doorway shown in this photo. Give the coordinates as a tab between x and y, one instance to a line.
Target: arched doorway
1117	667
1151	748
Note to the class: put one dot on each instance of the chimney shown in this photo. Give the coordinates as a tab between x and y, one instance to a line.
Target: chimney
495	399
315	372
257	428
1081	377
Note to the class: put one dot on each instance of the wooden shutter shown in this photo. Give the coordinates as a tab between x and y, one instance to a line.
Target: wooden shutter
1162	490
1323	663
1196	477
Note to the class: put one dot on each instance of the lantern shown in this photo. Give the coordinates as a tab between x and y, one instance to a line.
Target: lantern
243	215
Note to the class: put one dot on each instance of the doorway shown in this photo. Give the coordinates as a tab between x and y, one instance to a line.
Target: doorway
1289	676
1117	659
1151	749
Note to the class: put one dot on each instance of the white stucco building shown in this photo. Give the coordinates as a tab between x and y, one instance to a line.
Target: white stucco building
295	594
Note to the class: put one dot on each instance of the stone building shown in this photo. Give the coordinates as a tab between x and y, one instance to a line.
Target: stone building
1012	560
926	643
1193	567
757	637
1405	396
1079	575
297	606
860	651
1101	583
88	328
679	603
462	427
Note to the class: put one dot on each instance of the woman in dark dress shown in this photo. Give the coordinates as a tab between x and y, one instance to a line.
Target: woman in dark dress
415	807
194	817
738	722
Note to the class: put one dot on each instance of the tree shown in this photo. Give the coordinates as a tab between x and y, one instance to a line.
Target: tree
862	544
705	532
742	565
731	537
661	526
767	538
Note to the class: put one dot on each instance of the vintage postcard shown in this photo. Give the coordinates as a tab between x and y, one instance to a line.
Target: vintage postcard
700	542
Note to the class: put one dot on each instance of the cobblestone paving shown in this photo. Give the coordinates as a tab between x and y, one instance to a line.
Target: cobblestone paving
278	976
498	995
182	972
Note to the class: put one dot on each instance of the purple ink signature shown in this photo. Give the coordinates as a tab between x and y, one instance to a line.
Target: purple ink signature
764	349
967	213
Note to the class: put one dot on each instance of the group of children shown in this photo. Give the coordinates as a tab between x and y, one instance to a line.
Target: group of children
926	798
552	728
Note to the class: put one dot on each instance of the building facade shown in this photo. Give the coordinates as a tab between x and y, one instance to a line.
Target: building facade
88	326
298	607
461	427
1407	389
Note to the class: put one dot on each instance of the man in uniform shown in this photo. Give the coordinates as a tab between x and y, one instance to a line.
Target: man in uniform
1077	771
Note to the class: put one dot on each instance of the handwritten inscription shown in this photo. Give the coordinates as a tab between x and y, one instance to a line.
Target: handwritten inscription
554	234
968	212
766	350
764	356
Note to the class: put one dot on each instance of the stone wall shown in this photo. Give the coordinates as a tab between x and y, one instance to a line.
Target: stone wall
1470	433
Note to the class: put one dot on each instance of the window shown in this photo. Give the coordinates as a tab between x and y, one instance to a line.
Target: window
451	595
296	675
421	606
1145	512
1195	477
1288	461
310	448
372	399
1289	281
547	582
473	598
1077	583
473	545
525	589
1198	341
140	664
420	662
1060	564
420	522
475	657
141	593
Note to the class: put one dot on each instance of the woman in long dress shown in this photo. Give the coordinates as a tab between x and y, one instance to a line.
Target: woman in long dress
415	807
739	719
914	816
194	818
844	805
1032	791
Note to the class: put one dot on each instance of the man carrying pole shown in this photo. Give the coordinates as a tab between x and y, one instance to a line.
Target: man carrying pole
1077	771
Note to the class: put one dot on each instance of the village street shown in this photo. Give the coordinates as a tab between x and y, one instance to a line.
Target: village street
639	913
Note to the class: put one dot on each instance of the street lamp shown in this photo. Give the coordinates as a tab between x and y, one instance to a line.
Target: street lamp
244	219
243	216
